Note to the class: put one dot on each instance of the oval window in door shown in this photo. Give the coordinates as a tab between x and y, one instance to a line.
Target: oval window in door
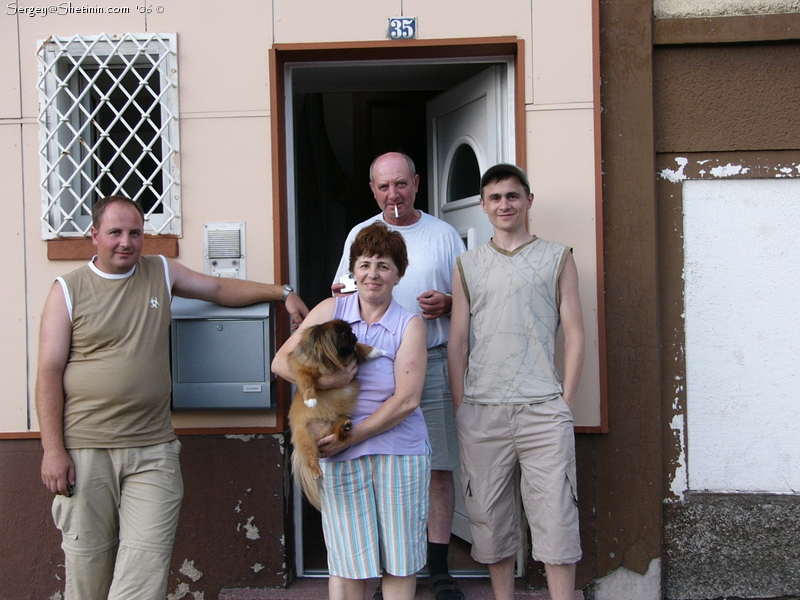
464	176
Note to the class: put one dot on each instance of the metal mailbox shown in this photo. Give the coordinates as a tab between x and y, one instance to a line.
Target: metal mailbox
221	356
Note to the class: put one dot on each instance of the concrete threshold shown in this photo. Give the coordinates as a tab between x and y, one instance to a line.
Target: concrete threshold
316	588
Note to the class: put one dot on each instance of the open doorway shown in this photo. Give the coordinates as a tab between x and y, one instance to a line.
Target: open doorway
337	135
339	116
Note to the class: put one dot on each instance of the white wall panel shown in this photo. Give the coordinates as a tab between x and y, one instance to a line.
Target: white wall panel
742	292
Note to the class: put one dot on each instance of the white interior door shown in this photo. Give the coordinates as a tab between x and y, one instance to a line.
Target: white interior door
469	129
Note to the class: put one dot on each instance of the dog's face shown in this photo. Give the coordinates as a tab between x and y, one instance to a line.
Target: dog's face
346	339
332	342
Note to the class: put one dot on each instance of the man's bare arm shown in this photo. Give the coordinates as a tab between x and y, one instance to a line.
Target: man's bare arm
572	326
55	336
458	346
232	292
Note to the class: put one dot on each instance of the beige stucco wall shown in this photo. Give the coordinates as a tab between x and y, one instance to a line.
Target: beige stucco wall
13	406
722	8
561	166
225	125
225	158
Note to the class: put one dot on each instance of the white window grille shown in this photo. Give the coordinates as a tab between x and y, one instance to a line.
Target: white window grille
108	115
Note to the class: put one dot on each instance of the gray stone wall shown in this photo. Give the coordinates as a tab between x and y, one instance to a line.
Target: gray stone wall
732	546
722	8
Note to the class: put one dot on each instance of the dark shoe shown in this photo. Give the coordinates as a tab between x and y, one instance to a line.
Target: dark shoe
444	587
378	595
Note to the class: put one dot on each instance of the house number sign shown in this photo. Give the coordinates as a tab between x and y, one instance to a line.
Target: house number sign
402	28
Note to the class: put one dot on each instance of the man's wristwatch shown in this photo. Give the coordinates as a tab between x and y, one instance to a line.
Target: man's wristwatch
287	289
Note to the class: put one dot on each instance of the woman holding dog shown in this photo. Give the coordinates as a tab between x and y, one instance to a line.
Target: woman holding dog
375	483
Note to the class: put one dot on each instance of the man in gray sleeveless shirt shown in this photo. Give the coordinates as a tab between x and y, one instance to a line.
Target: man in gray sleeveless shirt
103	400
512	406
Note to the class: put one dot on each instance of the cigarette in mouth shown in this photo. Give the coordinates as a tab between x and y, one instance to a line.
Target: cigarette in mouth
396	215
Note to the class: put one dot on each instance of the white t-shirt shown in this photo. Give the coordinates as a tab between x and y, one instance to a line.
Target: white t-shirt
432	246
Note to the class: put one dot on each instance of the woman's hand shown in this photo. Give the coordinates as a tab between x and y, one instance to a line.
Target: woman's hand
340	378
330	445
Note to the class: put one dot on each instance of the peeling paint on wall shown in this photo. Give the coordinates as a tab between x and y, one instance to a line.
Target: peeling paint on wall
676	471
188	569
675	176
252	530
788	171
281	439
183	590
242	437
729	170
708	169
245	437
257	567
679	484
792	171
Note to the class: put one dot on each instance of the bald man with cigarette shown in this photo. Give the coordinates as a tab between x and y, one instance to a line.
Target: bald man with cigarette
433	246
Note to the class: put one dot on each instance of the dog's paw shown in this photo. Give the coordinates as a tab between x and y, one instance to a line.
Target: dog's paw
375	353
347	426
310	403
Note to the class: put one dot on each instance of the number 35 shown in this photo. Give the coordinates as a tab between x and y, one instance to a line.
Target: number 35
402	28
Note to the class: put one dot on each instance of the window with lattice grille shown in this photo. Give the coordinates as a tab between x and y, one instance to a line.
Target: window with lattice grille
108	114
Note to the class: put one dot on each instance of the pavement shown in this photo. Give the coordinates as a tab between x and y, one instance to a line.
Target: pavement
316	588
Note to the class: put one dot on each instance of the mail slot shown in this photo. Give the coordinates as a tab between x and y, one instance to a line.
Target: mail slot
221	356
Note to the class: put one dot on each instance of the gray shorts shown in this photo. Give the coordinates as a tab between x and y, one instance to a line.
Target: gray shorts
437	408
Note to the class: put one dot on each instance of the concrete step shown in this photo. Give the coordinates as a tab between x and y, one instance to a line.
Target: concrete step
316	588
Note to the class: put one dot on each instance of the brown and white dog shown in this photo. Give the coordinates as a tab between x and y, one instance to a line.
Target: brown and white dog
315	413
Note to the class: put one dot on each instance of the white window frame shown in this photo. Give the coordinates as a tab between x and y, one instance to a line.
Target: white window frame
71	137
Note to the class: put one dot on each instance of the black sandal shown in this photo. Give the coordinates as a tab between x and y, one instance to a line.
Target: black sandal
378	595
444	587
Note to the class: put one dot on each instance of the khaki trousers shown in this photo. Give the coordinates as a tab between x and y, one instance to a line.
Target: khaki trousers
119	526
